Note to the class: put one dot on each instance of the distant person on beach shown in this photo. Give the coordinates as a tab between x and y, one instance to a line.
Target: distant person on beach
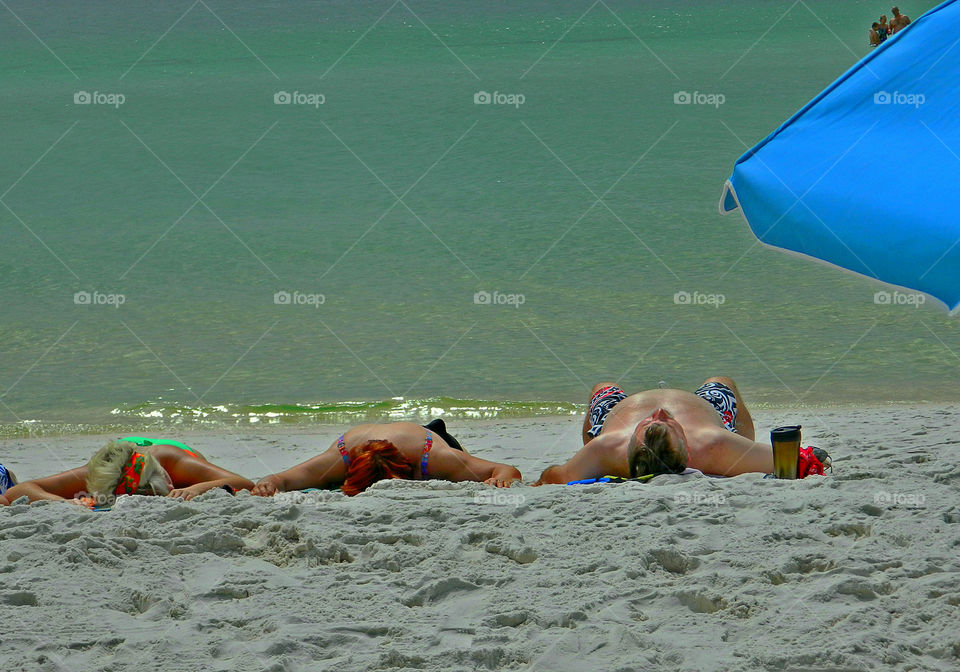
899	21
369	453
665	431
883	29
132	466
874	35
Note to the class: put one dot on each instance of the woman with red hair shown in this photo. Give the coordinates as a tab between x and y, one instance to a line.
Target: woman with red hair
369	453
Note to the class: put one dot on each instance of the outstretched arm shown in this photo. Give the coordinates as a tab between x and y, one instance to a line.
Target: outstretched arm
193	476
599	457
324	470
455	465
728	454
60	486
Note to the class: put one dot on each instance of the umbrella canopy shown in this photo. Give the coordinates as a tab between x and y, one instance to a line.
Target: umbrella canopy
866	176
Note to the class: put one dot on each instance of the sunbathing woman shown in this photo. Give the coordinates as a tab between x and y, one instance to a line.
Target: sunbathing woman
132	466
370	453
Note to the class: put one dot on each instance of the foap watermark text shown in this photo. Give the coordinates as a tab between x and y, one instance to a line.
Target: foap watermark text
299	98
913	500
499	497
899	98
98	98
497	98
683	298
699	499
296	298
95	298
484	298
698	98
915	299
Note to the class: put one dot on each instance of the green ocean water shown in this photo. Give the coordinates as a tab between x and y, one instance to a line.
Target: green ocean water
402	203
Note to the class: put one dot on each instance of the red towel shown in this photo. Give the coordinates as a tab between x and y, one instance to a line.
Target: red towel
808	463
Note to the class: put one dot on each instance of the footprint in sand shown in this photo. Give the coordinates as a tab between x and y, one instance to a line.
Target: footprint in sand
511	619
808	564
19	598
701	603
23	530
855	530
671	560
862	589
439	591
514	550
478	537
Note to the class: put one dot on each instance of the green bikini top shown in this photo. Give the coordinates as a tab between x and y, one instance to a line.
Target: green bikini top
143	442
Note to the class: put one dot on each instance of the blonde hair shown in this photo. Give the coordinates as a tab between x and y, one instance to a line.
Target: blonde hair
105	469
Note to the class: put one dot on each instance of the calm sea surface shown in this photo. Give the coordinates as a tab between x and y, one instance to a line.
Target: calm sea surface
270	212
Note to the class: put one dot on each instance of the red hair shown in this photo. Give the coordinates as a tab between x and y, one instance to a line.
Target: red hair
374	461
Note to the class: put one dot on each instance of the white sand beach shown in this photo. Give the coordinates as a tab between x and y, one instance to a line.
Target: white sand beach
853	571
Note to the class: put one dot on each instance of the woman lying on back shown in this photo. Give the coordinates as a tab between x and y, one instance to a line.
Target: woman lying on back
132	466
370	453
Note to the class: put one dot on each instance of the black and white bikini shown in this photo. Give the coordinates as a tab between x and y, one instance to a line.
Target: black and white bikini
716	394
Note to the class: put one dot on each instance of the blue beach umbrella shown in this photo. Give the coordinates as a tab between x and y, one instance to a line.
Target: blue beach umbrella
866	176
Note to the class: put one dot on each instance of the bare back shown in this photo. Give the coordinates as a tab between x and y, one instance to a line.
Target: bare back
409	438
444	461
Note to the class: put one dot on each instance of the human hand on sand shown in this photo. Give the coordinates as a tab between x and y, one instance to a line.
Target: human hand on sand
500	482
264	489
88	502
186	494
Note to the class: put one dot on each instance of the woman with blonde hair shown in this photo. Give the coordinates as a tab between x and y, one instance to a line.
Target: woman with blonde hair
132	466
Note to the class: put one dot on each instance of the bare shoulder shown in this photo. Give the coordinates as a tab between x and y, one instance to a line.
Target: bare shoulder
609	442
710	436
169	453
607	452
